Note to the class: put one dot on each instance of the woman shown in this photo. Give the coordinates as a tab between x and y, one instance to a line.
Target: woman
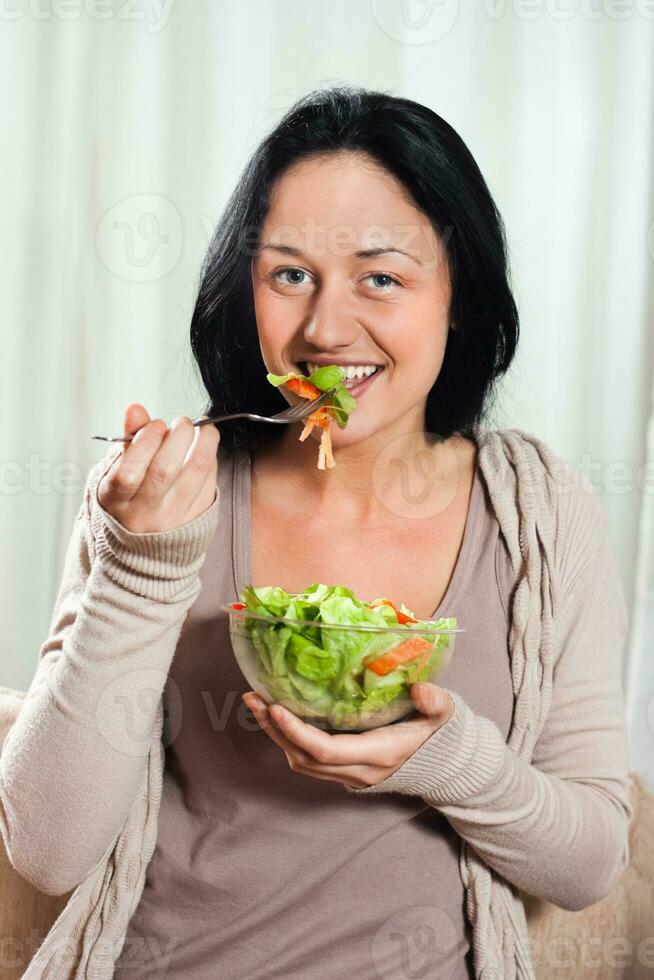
360	233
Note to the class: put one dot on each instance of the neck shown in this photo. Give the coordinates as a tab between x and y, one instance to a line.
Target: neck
362	488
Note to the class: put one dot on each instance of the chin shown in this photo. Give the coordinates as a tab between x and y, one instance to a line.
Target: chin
352	435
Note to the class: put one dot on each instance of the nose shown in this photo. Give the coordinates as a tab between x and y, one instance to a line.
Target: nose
330	326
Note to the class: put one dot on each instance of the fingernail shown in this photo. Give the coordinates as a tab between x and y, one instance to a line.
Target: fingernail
253	702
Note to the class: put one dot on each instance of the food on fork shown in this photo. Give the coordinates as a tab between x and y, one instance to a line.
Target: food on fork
337	408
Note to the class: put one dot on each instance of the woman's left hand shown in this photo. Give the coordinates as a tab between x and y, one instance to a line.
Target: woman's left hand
359	759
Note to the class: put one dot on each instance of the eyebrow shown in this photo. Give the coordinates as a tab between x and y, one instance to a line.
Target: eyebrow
366	253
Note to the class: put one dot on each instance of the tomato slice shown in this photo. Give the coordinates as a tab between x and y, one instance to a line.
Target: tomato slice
238	605
401	617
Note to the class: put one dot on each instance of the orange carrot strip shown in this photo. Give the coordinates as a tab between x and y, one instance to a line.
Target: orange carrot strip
308	426
325	458
304	388
321	417
400	654
313	419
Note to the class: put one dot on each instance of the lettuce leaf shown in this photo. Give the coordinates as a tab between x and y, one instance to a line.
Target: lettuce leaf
320	671
341	404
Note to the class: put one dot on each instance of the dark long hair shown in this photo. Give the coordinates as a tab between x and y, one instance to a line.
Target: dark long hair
433	163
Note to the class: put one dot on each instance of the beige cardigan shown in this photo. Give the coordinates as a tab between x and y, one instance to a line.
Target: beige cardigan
547	812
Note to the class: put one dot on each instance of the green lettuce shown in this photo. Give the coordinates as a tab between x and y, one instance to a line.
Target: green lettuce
322	672
341	403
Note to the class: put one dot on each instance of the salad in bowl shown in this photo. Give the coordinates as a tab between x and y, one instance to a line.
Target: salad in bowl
337	662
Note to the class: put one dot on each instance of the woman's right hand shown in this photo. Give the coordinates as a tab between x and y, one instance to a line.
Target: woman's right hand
164	477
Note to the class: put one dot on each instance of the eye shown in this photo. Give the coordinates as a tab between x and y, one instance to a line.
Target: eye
384	275
297	280
276	276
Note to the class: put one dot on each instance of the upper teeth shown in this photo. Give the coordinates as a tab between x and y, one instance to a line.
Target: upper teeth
351	370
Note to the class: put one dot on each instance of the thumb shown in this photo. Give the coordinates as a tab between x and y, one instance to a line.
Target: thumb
136	416
433	701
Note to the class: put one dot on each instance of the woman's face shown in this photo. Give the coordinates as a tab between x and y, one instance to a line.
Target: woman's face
317	299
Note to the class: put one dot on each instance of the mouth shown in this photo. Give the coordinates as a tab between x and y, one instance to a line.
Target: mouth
357	377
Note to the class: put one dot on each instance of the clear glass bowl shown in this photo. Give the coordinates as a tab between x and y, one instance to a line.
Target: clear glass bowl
367	699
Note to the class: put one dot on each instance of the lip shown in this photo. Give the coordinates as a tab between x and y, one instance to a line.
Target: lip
363	385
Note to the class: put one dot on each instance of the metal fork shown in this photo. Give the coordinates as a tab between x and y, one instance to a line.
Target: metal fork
294	413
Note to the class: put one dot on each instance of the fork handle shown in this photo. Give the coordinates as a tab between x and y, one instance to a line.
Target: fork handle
198	422
281	419
237	415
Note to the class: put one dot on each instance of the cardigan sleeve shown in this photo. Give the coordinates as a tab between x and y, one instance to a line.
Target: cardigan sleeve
73	759
556	827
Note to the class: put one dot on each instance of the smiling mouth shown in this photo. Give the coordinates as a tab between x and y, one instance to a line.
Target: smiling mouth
355	382
347	382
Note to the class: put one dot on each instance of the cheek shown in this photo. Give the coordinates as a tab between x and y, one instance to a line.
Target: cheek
418	347
416	328
272	324
431	354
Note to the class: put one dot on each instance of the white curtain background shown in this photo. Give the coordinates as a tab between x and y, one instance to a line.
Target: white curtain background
124	128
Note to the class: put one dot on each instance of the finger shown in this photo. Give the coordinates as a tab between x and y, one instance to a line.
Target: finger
300	762
199	465
263	718
362	748
207	494
211	483
342	776
136	416
210	486
124	478
433	701
167	461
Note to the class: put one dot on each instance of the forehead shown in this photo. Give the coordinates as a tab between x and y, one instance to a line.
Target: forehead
346	195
